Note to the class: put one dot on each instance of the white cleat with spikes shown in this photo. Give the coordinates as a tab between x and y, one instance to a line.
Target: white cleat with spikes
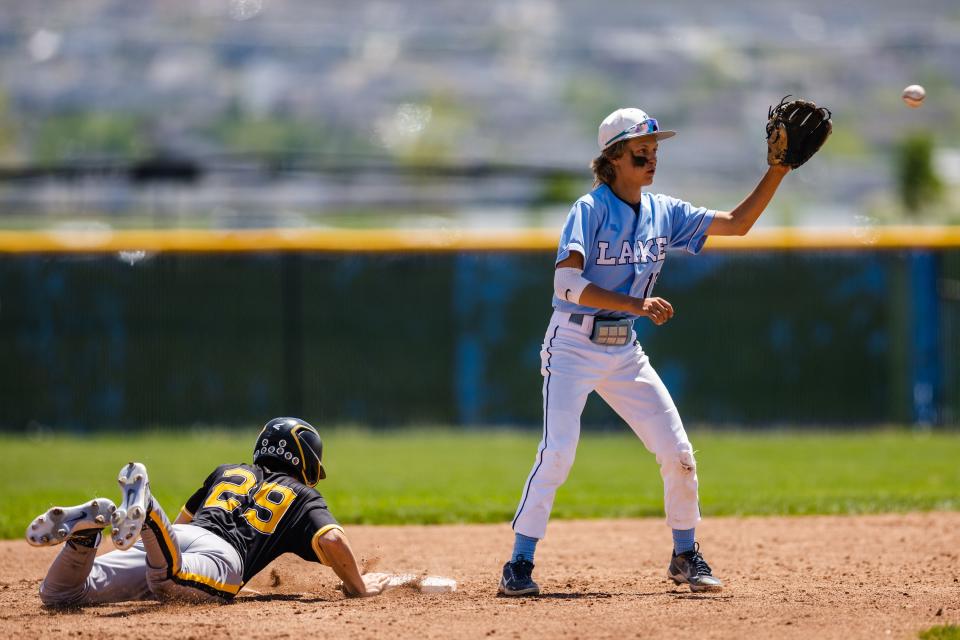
129	517
59	524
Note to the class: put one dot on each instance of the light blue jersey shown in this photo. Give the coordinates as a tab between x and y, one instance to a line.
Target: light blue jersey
623	251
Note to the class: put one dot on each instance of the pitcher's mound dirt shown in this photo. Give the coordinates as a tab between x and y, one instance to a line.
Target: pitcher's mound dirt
886	576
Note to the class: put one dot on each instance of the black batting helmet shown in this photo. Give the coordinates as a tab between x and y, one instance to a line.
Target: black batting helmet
294	444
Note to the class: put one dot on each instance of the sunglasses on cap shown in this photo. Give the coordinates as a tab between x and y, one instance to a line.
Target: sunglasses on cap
649	125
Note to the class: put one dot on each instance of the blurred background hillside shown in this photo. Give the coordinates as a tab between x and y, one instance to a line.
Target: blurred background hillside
239	113
440	121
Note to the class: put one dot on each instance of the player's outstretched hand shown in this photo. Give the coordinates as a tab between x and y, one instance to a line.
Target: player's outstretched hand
796	129
375	583
657	309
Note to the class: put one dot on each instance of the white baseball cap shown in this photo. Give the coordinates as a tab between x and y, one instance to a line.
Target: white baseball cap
624	124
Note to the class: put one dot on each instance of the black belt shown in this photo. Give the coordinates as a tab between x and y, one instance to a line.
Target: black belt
577	318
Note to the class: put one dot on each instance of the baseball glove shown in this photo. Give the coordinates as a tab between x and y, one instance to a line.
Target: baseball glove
795	131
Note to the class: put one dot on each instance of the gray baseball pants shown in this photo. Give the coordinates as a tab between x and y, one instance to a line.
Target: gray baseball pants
169	562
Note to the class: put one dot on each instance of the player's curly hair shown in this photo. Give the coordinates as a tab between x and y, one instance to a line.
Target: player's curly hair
602	165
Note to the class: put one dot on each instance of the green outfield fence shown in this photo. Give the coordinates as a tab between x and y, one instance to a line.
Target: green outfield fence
126	329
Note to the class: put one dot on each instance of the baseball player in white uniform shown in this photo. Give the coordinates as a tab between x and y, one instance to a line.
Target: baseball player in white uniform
612	250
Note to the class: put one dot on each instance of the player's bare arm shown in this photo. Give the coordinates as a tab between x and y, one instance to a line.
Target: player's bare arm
742	218
338	553
657	309
795	132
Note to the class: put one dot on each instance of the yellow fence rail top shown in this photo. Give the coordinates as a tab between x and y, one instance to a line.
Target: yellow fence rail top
444	240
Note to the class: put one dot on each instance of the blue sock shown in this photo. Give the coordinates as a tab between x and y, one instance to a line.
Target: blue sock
523	547
683	540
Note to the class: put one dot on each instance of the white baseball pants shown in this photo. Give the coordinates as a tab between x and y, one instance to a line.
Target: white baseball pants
572	367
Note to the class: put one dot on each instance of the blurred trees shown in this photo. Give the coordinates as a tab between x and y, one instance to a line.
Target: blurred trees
238	132
8	140
561	189
88	135
918	183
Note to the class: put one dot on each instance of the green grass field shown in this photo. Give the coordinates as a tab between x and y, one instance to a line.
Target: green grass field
477	476
941	632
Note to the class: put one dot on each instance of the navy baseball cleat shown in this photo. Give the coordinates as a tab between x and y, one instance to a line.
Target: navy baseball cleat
64	523
690	567
516	580
130	515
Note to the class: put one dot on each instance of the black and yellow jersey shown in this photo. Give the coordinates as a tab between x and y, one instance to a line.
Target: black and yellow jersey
262	514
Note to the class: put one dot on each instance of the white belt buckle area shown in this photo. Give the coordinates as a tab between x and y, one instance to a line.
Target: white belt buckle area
580	322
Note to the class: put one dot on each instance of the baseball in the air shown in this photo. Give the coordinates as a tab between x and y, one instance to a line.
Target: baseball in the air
913	95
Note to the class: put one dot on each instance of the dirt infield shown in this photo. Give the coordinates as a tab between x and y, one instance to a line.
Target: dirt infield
885	576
